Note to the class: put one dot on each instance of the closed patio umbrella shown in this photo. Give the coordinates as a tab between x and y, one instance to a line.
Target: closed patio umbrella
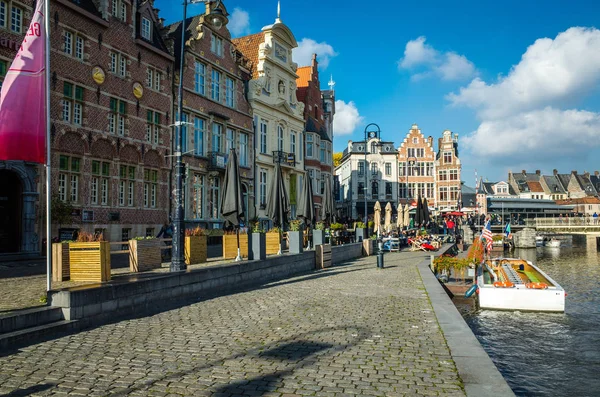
426	215
306	205
278	205
388	217
327	210
419	212
400	220
377	217
407	215
232	208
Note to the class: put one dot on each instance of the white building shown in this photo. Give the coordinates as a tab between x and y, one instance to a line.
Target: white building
377	180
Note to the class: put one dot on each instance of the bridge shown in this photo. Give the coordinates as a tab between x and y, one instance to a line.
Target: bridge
572	225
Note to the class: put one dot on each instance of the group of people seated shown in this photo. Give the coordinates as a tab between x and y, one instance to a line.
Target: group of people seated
424	242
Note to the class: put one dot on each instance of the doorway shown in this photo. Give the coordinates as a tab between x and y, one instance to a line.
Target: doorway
11	190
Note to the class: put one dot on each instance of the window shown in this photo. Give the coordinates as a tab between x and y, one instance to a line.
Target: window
361	168
198	197
322	152
229	92
263	136
216	45
442	175
374	169
150	187
322	184
229	140
100	181
447	157
293	142
263	187
388	189
243	149
117	116
388	168
118	64
153	127
309	145
216	137
153	79
72	105
416	152
415	140
119	9
3	70
16	19
198	136
216	85
146	29
375	189
453	193
453	175
2	14
213	198
361	188
68	178
199	74
73	44
280	138
68	43
374	146
126	185
443	193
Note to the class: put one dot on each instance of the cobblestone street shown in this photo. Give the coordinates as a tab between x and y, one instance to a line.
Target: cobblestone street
349	330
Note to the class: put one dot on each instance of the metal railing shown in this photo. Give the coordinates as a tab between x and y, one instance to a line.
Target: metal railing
217	161
568	222
284	158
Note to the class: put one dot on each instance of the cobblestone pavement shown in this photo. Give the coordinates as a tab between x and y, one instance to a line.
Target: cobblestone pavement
346	331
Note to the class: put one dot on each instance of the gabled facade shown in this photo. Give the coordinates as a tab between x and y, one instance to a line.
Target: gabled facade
553	188
278	116
416	168
375	180
218	116
576	186
447	167
318	130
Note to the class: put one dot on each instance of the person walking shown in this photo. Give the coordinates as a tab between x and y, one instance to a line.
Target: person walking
450	225
595	216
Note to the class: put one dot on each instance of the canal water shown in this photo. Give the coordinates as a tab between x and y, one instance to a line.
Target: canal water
550	354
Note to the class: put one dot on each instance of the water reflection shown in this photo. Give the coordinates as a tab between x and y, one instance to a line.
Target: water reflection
551	354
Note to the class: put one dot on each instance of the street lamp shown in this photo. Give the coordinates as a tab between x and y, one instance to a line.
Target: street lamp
216	19
368	134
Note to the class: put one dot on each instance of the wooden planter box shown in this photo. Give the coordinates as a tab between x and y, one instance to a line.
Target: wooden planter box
144	255
89	261
369	246
195	249
272	243
230	246
60	262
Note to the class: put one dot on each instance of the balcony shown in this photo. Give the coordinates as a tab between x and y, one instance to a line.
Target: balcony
217	161
284	158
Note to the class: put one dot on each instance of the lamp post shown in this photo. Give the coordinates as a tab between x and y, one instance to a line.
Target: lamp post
216	19
368	134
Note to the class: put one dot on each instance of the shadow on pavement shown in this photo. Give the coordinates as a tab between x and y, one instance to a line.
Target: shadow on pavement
29	391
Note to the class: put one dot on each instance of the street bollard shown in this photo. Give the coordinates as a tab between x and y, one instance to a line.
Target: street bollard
380	255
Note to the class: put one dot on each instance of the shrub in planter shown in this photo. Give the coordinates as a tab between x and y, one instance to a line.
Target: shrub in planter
89	258
144	254
295	237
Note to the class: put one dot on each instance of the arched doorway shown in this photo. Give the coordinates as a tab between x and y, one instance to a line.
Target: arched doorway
11	190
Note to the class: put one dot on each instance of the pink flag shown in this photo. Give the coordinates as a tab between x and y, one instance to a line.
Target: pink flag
23	98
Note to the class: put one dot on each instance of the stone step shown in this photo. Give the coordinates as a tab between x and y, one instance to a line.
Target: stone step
28	318
12	340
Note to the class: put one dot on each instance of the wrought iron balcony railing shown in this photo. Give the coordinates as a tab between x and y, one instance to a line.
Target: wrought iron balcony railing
217	161
284	158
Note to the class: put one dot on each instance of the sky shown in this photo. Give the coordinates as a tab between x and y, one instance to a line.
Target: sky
519	81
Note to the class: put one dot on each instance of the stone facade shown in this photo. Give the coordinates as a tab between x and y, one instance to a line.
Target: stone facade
416	167
447	172
214	103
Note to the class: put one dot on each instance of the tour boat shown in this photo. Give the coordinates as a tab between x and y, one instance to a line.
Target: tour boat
517	284
539	241
553	243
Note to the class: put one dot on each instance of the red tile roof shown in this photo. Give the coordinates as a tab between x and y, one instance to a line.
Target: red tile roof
583	200
248	45
304	76
535	187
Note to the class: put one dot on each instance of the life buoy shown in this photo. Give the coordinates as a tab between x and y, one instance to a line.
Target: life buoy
503	284
471	291
536	285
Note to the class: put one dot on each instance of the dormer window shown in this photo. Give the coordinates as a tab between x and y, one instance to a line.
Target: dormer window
216	45
119	9
146	29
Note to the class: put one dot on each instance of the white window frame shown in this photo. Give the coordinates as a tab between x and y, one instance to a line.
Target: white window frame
199	78
216	45
215	85
280	137
216	137
16	19
243	149
146	29
264	127
198	136
230	92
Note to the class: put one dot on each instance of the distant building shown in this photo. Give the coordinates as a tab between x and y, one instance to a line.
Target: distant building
447	172
416	169
576	185
582	205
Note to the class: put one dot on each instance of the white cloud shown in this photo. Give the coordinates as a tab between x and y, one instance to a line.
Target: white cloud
447	66
549	72
346	118
239	22
528	114
307	47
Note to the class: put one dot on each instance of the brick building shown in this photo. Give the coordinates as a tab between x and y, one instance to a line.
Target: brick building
219	116
416	167
319	108
278	116
447	167
110	108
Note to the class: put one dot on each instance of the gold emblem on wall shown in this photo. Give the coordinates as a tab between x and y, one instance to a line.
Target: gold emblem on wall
138	90
98	75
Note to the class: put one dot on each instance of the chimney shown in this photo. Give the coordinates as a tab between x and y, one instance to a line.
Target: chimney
586	174
537	172
430	140
555	172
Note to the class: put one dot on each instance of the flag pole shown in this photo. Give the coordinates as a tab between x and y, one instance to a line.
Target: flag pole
48	162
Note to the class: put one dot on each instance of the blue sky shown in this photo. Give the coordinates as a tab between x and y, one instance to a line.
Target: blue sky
519	81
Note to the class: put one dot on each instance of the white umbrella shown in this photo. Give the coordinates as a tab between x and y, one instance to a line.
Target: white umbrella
400	220
377	217
407	215
388	217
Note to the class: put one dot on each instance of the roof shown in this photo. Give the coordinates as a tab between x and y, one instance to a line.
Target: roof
586	185
564	180
519	203
304	76
488	188
553	184
248	45
595	180
535	187
582	200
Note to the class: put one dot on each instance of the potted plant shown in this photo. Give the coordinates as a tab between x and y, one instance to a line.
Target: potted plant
360	232
195	246
230	245
257	249
319	234
295	237
144	254
89	258
273	238
336	229
498	242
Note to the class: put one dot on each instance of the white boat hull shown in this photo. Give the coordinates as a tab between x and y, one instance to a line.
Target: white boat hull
553	244
519	297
